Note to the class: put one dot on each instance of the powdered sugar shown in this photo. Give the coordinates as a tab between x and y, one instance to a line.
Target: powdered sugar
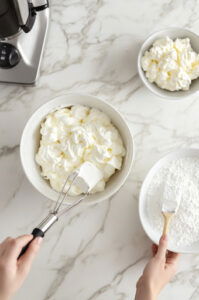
173	192
184	228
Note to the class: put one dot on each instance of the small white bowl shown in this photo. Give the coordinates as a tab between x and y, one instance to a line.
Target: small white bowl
31	138
150	231
173	33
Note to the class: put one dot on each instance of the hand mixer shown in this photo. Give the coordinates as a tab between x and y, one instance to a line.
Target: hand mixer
85	177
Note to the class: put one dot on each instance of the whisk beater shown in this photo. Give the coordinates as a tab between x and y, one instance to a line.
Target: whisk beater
86	177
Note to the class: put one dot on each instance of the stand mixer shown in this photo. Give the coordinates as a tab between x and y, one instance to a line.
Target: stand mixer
23	30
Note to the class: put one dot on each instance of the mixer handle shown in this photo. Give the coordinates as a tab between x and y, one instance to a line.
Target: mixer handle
36	233
41	230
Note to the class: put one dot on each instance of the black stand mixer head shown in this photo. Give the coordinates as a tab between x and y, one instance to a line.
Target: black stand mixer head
23	29
9	24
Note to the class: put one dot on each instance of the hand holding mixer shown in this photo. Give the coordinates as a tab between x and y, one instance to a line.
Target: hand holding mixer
85	177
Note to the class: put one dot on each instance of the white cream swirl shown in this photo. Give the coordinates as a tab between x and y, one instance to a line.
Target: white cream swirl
172	65
71	136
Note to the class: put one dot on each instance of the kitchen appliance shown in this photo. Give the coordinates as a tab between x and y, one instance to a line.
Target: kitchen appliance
23	30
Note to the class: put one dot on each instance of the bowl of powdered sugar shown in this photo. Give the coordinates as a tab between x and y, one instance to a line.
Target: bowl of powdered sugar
184	229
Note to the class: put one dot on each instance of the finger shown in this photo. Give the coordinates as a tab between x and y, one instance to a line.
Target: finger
172	257
13	247
7	239
139	282
162	248
26	260
3	245
154	249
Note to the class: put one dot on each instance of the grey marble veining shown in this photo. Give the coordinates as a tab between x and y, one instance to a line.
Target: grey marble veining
98	252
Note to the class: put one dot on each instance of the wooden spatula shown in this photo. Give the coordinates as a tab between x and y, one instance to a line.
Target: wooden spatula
171	199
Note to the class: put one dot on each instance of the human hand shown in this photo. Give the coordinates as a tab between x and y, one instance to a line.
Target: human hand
13	271
158	272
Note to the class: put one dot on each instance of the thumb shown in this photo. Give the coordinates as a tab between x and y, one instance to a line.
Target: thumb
27	258
162	248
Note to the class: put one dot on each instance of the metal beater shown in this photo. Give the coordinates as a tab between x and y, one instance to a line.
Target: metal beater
87	176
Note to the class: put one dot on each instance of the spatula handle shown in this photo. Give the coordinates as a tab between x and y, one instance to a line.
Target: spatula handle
167	220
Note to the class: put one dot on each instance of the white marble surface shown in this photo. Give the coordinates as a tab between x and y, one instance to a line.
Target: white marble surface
98	252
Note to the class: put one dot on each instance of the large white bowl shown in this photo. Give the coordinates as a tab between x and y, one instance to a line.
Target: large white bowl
173	33
31	137
144	217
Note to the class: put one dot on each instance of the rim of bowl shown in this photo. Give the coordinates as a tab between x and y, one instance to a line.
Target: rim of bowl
131	161
142	73
170	153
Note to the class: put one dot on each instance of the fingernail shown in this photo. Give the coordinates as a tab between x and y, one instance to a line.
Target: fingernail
39	240
164	237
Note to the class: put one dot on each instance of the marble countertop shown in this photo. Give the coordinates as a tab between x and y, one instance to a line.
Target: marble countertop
98	252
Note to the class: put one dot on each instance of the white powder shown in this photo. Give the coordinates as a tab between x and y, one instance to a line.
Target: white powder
184	229
173	191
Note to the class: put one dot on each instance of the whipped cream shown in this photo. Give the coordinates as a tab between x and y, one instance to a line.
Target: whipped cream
72	136
172	65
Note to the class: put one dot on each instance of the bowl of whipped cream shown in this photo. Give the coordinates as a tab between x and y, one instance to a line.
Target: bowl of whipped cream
168	63
68	131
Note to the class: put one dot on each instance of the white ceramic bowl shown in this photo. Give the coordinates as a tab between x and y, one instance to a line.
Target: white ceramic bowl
173	33
31	137
150	231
